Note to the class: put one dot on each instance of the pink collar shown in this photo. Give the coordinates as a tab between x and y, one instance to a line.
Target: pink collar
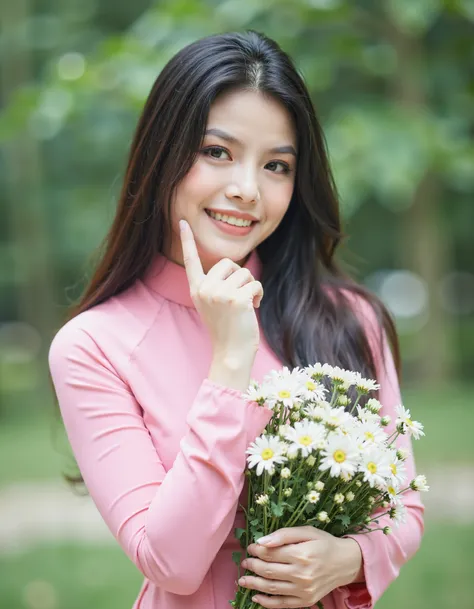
169	279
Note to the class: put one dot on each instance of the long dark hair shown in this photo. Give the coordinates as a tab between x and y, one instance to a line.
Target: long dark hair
307	314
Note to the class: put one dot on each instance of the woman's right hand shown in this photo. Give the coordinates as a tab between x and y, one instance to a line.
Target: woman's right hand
225	299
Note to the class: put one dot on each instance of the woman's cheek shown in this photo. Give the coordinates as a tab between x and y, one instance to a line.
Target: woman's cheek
199	182
278	202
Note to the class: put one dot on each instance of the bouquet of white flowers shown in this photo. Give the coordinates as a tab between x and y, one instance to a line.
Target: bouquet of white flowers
324	459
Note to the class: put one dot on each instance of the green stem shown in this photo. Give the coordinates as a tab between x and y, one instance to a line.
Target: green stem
297	513
244	598
359	395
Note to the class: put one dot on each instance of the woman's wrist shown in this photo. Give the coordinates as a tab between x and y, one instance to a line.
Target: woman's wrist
351	562
232	370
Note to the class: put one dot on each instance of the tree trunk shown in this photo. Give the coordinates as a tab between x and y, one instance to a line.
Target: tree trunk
26	217
425	246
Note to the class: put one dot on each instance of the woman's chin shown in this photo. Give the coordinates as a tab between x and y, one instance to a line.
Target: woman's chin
211	255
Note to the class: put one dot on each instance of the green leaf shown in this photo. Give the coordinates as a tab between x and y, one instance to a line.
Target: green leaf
237	558
344	518
239	533
277	510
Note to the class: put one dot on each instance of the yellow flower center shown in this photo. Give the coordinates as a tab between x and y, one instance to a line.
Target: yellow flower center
284	393
372	467
267	453
369	435
393	467
310	385
391	490
339	456
305	440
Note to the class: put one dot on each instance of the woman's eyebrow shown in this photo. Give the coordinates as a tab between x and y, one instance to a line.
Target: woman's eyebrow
233	140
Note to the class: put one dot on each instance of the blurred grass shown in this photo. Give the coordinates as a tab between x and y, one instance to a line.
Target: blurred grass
78	577
69	576
34	447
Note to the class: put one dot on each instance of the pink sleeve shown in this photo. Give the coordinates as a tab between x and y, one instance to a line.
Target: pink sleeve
168	523
384	555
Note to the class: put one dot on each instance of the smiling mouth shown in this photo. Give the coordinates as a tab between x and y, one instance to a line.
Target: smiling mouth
232	220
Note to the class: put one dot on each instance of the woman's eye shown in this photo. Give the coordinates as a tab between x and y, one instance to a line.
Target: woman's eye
214	152
284	167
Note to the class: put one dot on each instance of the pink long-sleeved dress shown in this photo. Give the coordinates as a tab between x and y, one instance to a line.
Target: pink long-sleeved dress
162	448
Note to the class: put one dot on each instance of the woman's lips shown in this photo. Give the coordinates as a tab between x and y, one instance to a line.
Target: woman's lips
230	229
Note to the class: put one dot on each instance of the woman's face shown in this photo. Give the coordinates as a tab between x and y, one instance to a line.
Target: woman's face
246	166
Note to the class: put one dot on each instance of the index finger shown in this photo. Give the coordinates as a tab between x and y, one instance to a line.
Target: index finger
192	262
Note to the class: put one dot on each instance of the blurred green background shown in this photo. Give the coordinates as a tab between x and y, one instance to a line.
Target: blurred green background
393	85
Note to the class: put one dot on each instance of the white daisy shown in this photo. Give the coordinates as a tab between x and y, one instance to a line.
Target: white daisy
397	471
319	486
285	473
403	454
340	456
317	411
339	498
366	415
345	378
371	433
373	405
311	389
398	514
262	500
287	492
343	400
323	517
350	496
265	452
346	477
256	393
414	428
395	499
305	436
420	484
317	370
283	430
313	497
375	466
338	417
285	387
364	385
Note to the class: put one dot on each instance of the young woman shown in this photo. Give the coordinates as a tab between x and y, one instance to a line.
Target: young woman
150	368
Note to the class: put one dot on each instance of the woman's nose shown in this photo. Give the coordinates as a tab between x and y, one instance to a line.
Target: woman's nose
244	187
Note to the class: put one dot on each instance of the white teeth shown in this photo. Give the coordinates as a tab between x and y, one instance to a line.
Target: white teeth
229	219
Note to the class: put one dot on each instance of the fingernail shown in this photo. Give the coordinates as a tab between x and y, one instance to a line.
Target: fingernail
182	224
244	564
267	539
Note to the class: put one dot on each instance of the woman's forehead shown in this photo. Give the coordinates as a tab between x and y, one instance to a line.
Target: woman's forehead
249	115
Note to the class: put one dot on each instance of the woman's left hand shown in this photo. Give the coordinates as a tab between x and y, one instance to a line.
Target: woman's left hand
298	566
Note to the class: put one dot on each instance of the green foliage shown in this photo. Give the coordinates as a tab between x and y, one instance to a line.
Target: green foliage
390	81
79	576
